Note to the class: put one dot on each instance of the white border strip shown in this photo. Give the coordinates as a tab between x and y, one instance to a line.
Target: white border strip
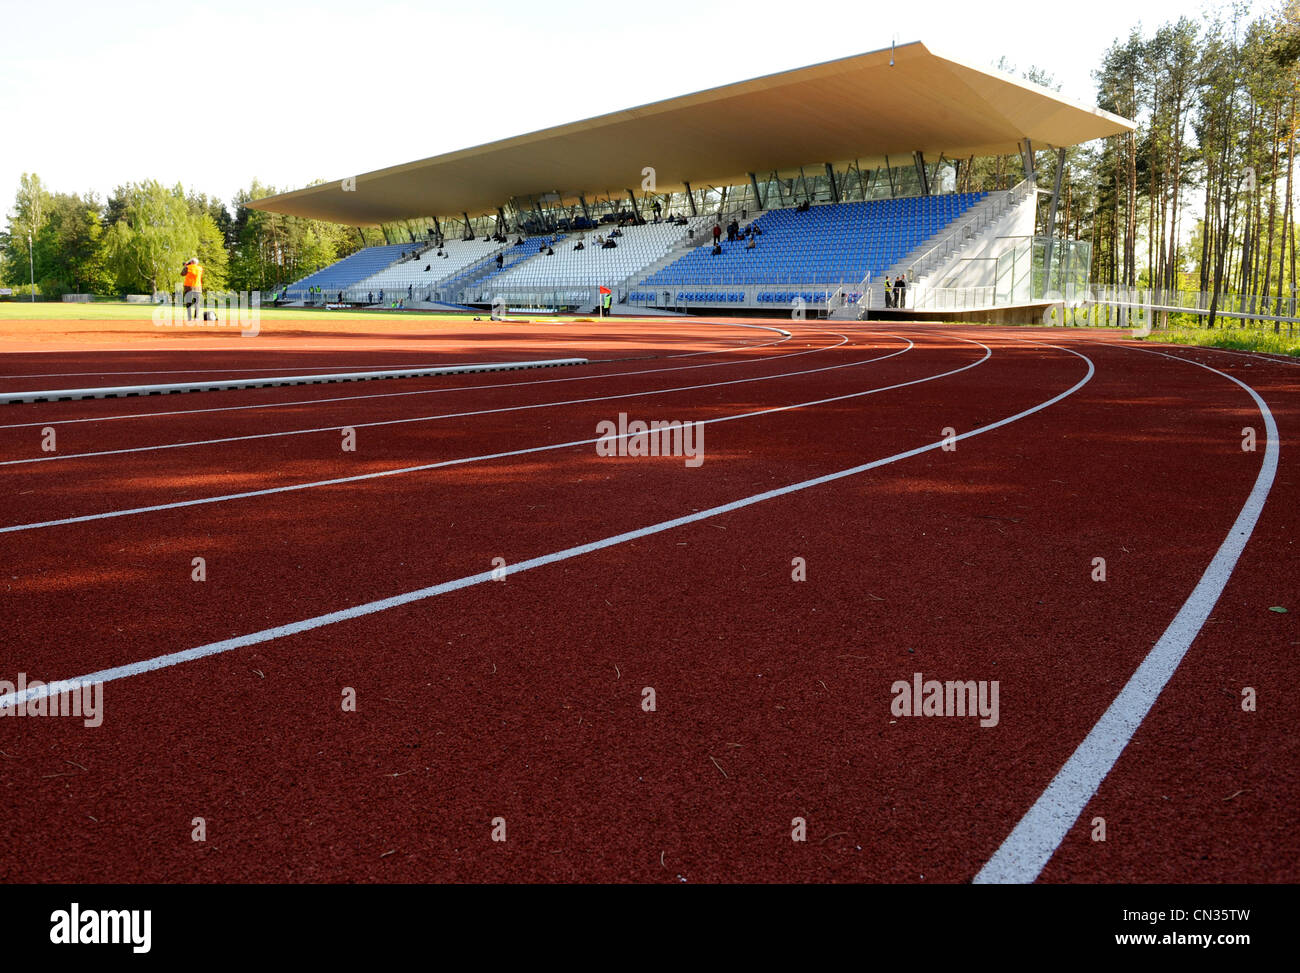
1032	843
122	391
383	604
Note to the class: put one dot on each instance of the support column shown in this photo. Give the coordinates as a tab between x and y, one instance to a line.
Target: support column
468	229
1051	217
889	171
830	177
758	197
690	195
1027	154
635	210
918	159
586	213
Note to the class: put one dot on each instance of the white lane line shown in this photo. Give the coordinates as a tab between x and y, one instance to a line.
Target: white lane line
395	601
456	388
1034	840
357	478
224	385
56	457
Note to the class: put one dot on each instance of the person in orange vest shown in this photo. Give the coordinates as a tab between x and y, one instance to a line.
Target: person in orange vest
193	283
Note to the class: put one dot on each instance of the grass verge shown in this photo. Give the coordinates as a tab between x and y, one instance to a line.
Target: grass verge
1235	339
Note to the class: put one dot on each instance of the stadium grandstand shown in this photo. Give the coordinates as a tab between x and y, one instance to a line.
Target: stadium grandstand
786	190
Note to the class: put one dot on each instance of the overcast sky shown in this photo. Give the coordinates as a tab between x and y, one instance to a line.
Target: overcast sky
94	94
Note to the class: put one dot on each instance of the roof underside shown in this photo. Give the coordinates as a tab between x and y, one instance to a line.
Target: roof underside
858	107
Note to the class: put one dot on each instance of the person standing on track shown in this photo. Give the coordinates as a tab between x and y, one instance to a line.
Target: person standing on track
192	281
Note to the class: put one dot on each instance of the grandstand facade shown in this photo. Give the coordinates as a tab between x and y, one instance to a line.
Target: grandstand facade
756	197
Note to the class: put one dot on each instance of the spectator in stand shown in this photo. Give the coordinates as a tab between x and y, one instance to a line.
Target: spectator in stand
717	233
550	252
381	295
717	247
750	244
370	298
579	246
501	259
609	244
900	291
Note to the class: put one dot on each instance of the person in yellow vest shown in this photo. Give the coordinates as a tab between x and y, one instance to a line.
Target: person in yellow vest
193	284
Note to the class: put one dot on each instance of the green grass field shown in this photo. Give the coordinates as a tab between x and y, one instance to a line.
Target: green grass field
1237	339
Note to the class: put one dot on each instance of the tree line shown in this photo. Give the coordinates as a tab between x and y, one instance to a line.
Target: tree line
136	241
1200	197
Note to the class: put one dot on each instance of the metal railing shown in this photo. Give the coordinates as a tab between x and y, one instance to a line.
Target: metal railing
954	298
967	228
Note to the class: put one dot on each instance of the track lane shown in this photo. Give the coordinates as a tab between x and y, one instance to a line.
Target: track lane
309	462
612	792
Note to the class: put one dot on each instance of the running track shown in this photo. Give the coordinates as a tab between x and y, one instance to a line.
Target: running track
522	698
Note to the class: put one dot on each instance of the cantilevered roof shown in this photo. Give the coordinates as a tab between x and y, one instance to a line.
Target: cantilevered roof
862	107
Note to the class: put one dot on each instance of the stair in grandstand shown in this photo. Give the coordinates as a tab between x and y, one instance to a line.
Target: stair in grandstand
409	279
939	252
342	274
572	277
473	286
695	232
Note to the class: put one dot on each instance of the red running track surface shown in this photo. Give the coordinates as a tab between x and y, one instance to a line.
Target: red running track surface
522	699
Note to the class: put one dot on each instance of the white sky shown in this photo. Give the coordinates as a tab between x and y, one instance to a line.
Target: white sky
93	94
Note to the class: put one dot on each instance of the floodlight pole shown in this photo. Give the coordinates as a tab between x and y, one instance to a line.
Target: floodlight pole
31	265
